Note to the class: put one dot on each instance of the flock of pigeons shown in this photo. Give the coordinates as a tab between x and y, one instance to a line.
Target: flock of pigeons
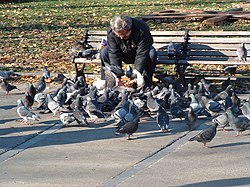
76	101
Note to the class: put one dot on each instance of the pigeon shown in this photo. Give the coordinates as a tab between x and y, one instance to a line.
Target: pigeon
235	99
171	49
188	91
129	72
28	100
40	98
245	108
129	128
31	89
210	88
41	85
206	135
226	83
221	120
53	106
80	116
6	74
242	53
237	124
162	120
92	109
67	118
197	107
61	96
25	113
46	72
152	104
110	78
7	87
140	81
176	111
210	104
191	118
223	94
230	69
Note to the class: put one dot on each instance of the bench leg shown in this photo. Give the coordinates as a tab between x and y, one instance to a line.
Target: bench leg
180	70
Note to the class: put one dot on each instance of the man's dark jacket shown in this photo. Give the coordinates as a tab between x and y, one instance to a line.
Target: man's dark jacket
137	46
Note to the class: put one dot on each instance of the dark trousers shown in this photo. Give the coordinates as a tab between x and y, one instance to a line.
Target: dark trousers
129	59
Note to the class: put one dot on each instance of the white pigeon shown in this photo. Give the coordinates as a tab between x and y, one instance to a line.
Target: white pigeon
25	113
242	53
140	81
67	118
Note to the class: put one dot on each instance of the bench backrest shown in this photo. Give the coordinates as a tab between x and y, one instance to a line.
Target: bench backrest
216	46
204	47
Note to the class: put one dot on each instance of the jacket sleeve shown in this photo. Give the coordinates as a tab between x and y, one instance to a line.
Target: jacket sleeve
142	52
114	50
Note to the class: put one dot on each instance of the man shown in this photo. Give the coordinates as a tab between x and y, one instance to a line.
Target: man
129	41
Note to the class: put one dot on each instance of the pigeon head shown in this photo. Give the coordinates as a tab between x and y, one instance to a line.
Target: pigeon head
20	103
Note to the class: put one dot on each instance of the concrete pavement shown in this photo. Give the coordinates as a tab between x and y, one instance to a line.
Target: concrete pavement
44	154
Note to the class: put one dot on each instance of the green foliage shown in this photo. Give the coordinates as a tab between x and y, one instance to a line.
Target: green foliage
42	32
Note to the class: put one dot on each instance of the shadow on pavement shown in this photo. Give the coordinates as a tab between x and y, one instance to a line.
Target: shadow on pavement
222	182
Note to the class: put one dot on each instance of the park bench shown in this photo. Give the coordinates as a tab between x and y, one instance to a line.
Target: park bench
208	49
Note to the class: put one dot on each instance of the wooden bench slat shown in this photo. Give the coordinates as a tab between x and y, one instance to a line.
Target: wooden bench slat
212	53
214	46
219	40
219	33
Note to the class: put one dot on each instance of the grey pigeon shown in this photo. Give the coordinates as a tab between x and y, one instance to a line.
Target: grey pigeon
237	124
210	104
210	88
53	106
67	118
222	120
188	91
176	111
223	94
40	98
25	113
235	99
40	85
242	53
61	96
129	128
80	116
191	118
46	72
110	78
7	87
6	74
162	120
93	110
206	135
245	108
197	107
152	104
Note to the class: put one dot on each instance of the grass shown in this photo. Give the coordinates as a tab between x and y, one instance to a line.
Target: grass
42	32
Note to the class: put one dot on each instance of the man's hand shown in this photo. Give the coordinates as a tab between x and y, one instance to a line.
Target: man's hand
119	82
130	83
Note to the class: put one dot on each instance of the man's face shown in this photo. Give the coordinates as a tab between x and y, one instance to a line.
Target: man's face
123	34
